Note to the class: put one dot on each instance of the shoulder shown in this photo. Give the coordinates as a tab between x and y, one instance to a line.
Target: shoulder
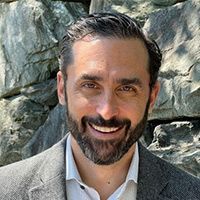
22	168
19	176
169	180
25	174
181	183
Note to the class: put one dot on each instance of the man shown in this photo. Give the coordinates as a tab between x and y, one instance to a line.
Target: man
108	84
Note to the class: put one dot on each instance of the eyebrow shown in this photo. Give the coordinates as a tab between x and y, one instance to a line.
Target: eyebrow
91	77
127	81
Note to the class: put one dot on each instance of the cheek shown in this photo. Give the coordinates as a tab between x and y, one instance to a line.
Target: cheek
133	111
78	106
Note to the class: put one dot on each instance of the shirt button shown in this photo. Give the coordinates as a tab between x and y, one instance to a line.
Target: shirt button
82	187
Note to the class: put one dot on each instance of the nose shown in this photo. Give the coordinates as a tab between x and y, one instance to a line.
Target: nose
107	107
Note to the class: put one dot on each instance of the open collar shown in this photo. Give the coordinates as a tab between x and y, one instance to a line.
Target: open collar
71	168
52	177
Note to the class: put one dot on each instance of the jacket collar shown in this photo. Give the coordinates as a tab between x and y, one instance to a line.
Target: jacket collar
52	184
51	175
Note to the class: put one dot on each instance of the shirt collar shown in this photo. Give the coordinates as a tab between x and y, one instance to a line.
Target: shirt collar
133	169
72	171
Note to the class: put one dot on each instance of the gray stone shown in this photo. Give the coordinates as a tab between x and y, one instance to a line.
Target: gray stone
179	143
139	9
44	93
164	2
7	1
96	6
48	134
19	119
180	74
29	34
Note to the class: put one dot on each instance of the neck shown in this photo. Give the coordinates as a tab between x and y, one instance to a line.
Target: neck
107	177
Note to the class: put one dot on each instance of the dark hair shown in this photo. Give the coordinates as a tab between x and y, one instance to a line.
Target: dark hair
109	25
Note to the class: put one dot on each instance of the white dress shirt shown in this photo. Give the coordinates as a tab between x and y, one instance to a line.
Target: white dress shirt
76	189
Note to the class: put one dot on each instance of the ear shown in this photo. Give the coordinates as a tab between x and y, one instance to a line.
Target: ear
153	96
60	88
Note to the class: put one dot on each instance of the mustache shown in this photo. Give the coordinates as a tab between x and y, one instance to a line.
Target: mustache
100	121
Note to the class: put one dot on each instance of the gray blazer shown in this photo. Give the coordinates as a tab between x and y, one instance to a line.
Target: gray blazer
42	177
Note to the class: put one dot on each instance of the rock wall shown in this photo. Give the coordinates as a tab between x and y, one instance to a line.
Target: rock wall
31	119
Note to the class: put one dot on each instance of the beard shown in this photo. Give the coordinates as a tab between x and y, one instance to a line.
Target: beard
105	152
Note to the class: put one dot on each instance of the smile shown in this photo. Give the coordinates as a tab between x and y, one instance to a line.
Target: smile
104	129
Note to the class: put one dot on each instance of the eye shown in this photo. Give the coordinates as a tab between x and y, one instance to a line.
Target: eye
90	89
89	85
127	88
127	91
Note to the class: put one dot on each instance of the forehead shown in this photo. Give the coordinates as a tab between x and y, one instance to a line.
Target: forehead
109	56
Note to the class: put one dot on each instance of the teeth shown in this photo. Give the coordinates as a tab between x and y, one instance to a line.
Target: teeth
105	129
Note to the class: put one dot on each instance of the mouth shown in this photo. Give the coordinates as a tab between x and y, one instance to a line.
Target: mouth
104	129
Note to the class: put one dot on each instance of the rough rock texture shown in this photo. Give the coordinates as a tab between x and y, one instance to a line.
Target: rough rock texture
164	2
19	119
29	34
180	72
139	9
30	121
7	1
48	134
44	93
179	143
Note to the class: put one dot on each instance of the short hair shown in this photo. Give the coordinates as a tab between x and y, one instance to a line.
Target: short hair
109	25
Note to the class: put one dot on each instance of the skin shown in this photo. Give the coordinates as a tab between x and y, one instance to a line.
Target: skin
110	78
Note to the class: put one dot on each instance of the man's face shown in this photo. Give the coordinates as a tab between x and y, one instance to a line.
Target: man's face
108	96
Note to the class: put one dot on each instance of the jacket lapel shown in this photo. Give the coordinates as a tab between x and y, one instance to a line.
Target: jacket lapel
51	174
51	190
151	178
